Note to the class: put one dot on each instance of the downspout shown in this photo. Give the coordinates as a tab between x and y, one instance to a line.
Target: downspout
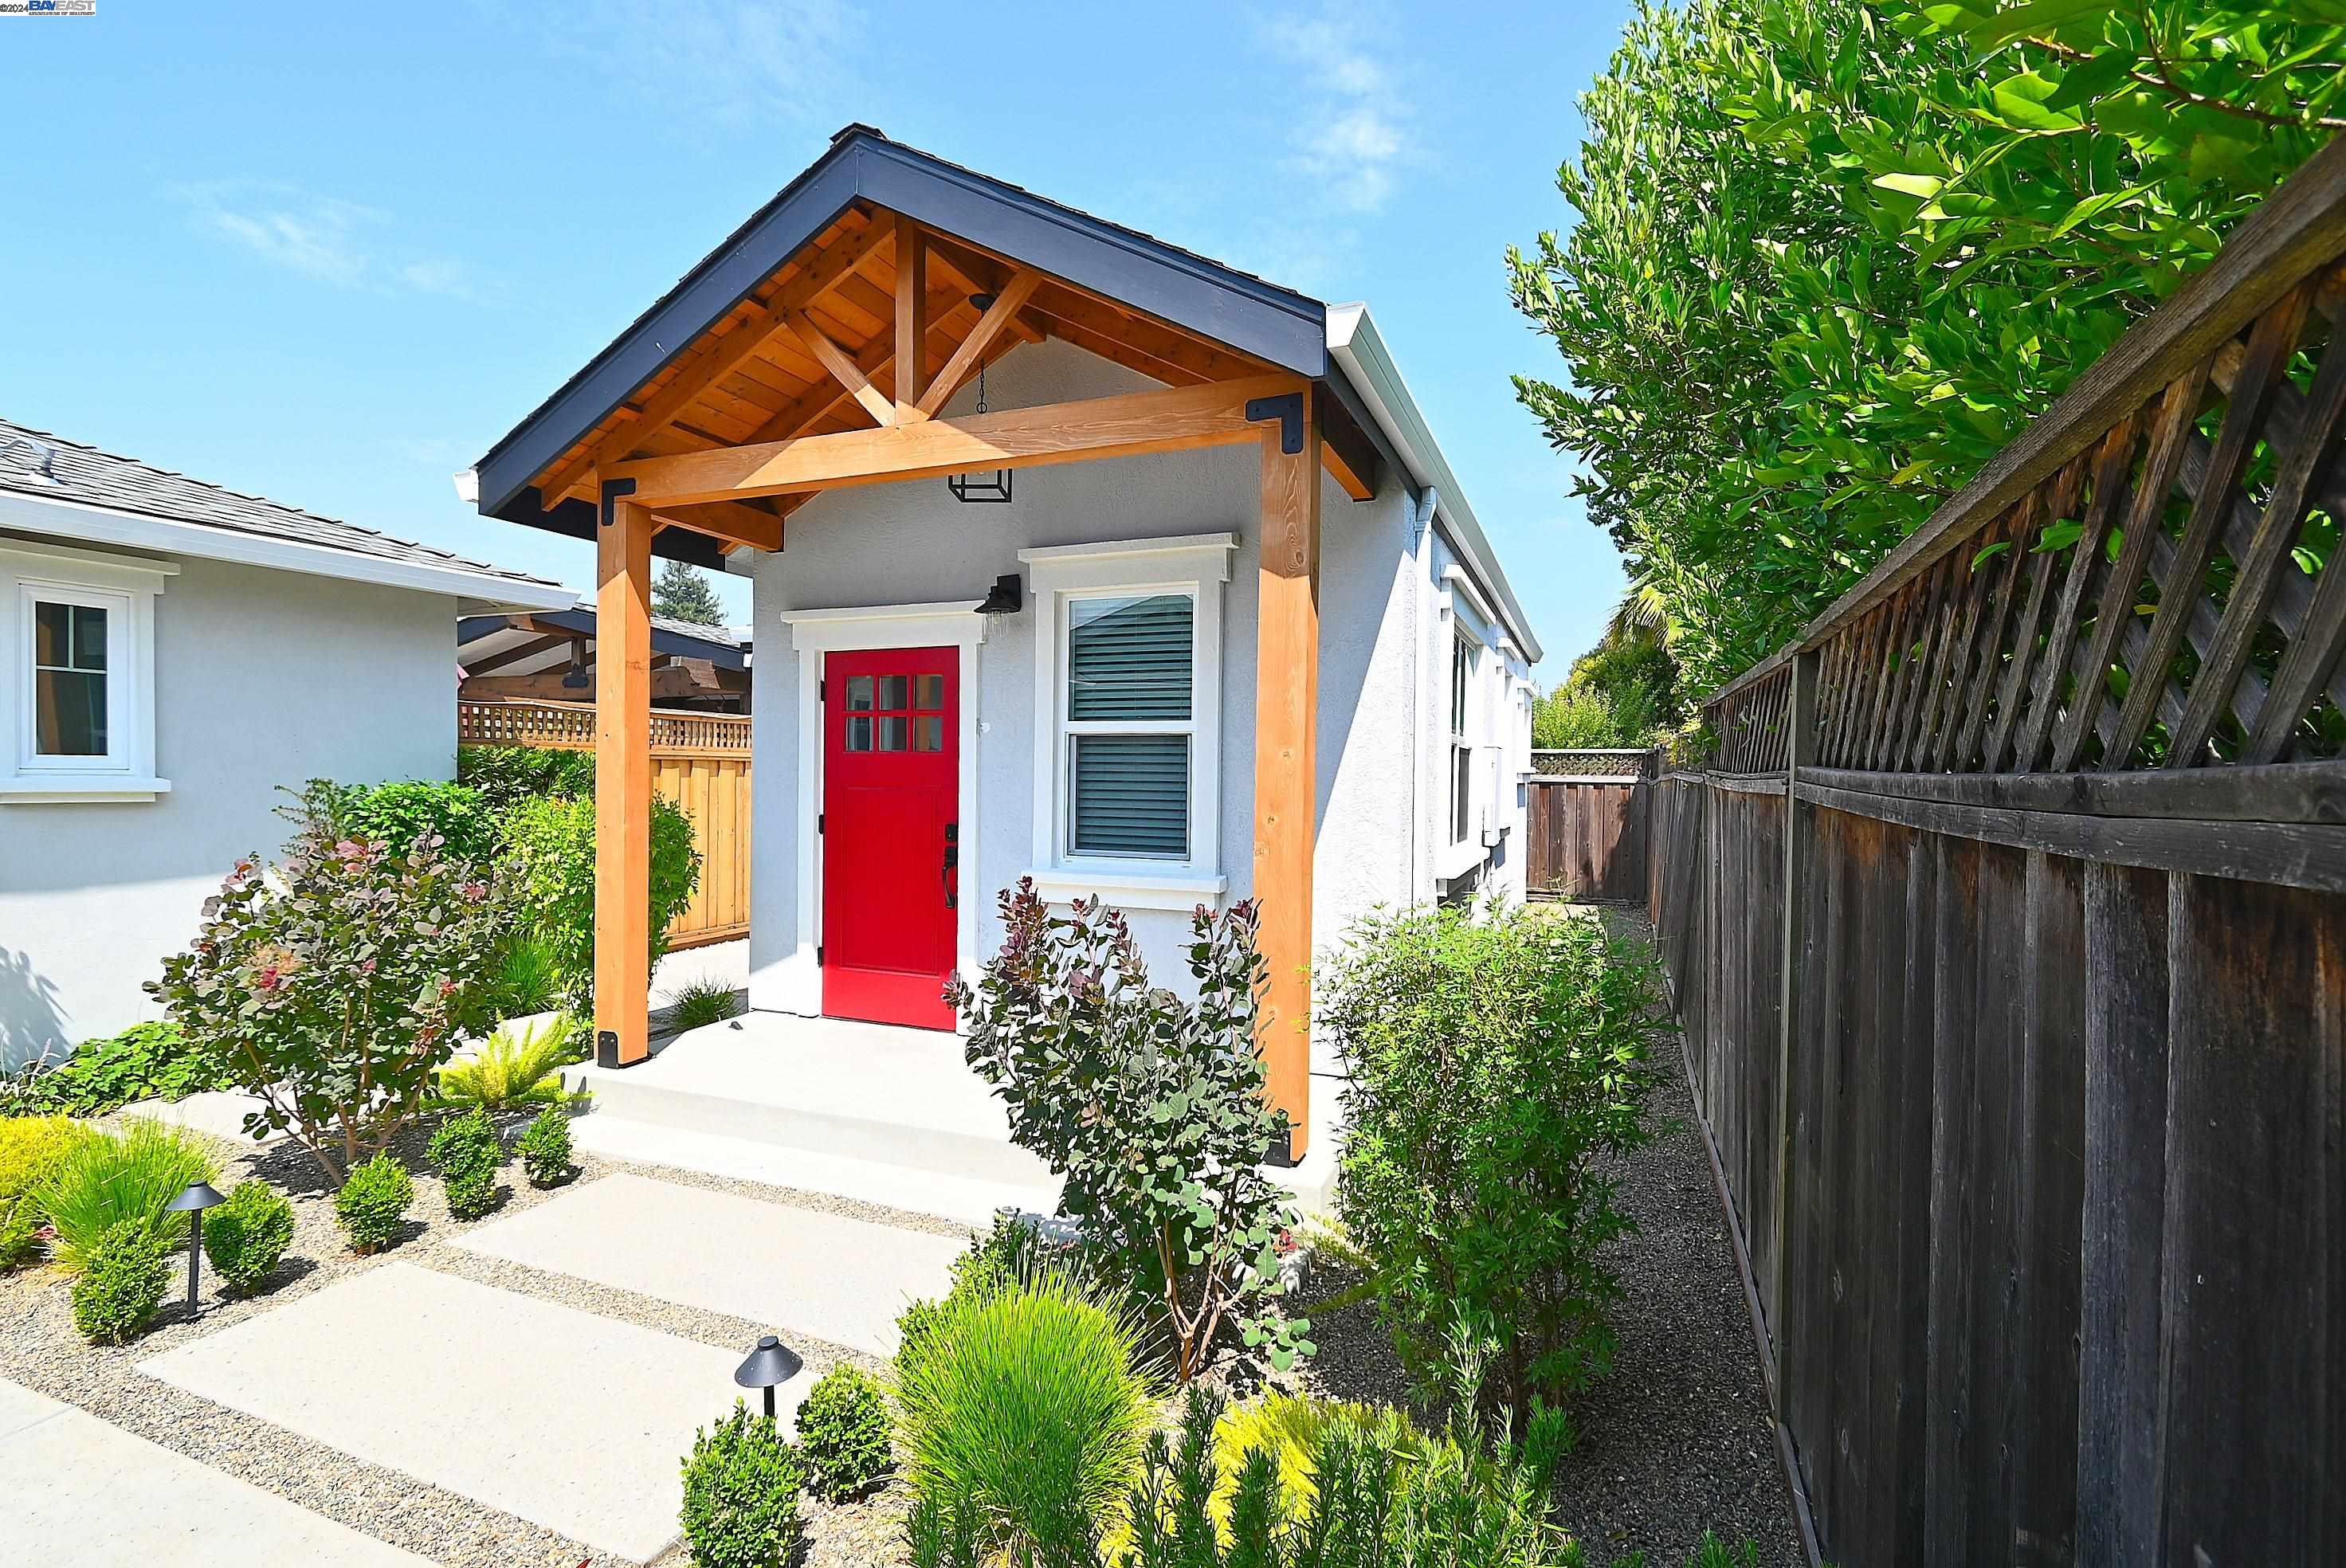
1421	590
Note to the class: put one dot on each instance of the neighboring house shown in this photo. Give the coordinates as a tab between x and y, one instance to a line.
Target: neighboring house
549	657
170	653
1211	498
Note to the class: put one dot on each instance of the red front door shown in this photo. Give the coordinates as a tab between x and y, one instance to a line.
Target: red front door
890	840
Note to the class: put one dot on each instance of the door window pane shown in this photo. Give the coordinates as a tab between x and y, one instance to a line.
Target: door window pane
1131	794
929	691
1128	658
929	732
895	694
859	735
858	694
895	733
69	693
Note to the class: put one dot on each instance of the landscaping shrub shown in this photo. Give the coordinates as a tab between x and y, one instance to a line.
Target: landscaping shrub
336	985
398	814
703	1003
843	1431
518	1064
1000	1256
1496	1058
528	977
246	1236
466	1152
372	1204
1163	1174
504	776
545	1147
1024	1406
110	1179
31	1149
1290	1430
742	1494
123	1278
152	1060
550	853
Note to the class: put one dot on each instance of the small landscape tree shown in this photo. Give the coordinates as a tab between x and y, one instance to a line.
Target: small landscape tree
335	984
1151	1108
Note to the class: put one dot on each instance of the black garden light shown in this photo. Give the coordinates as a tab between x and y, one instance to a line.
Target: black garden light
1006	597
192	1203
772	1364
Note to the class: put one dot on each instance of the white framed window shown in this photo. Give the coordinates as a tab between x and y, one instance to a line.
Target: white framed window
1462	750
1127	739
78	674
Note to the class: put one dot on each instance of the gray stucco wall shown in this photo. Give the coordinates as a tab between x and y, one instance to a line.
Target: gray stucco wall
914	544
262	677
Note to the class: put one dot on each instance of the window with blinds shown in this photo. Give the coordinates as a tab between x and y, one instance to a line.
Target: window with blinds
1129	715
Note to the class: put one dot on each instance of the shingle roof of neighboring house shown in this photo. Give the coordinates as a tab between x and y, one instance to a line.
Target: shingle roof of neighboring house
48	467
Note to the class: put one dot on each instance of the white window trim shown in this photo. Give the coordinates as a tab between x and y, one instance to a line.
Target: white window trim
127	587
814	633
1195	564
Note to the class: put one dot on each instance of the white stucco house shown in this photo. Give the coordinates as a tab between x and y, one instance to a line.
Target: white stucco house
170	653
1076	557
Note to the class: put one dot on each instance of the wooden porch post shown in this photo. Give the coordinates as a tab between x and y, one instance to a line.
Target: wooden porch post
623	777
1285	773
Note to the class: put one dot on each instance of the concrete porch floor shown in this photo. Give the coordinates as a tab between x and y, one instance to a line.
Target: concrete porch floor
886	1114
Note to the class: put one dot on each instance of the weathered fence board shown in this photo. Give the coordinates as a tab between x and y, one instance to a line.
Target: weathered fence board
2005	918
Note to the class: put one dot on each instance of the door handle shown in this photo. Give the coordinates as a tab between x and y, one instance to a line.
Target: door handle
945	874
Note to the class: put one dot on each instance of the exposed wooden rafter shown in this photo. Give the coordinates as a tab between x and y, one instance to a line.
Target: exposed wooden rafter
845	371
912	312
967	357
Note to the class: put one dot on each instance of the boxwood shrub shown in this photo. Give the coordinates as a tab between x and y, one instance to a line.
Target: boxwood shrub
844	1430
245	1236
121	1284
741	1487
372	1204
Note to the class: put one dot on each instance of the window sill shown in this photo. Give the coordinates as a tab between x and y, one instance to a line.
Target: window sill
1130	890
30	789
1454	860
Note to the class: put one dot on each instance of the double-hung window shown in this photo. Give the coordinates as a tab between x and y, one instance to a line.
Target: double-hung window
77	673
1128	703
1461	751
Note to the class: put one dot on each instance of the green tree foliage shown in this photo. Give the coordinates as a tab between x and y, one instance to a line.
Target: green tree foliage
1622	692
550	855
682	593
1832	254
402	811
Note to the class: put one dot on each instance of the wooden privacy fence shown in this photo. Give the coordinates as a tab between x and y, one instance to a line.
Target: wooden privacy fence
699	761
1587	832
2006	931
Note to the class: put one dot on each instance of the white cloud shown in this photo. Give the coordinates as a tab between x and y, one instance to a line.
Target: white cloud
327	237
788	60
1355	136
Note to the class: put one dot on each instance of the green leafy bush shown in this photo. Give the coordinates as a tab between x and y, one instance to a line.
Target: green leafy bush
1496	1058
545	1147
372	1208
123	1278
703	1003
518	1064
1003	1255
466	1152
398	814
337	984
31	1149
550	853
110	1179
843	1431
742	1494
246	1236
151	1061
1024	1405
1166	1173
504	776
528	977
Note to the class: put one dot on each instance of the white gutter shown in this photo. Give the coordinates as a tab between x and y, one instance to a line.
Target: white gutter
1360	352
62	517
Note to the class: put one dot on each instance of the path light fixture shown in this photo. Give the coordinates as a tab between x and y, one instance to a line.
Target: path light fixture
192	1203
772	1364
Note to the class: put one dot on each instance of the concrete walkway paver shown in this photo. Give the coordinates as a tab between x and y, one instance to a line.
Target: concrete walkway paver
568	1420
842	1280
86	1494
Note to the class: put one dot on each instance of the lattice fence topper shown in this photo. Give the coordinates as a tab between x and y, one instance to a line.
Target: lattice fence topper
509	721
2144	579
1593	762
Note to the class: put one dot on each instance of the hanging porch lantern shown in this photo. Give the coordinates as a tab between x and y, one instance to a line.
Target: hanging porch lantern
981	487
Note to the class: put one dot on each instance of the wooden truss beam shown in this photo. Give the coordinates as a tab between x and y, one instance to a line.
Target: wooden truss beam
1175	420
965	358
729	522
519	653
912	312
845	371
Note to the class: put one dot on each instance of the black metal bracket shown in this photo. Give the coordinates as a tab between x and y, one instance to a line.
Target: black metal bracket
1282	1152
1287	408
607	1048
612	490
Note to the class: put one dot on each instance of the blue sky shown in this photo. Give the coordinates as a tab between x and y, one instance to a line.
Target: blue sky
330	253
